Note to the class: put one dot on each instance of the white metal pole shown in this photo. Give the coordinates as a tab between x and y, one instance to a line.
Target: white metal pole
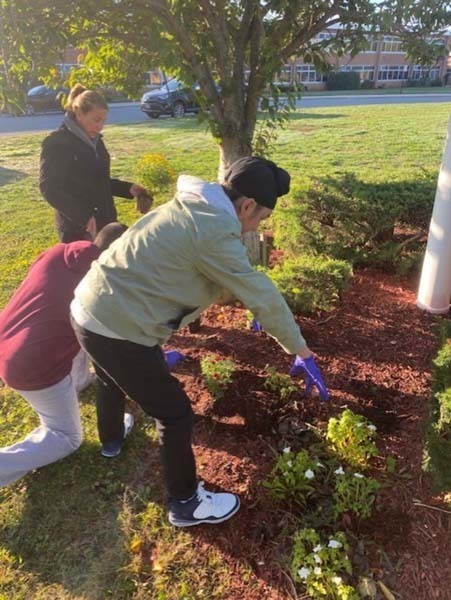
434	292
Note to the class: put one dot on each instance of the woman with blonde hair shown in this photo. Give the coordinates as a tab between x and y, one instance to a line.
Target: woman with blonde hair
75	170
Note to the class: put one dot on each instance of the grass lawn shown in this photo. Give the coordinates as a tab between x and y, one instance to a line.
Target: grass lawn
74	530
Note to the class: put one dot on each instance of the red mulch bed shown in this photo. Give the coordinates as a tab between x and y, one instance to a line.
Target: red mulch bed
375	351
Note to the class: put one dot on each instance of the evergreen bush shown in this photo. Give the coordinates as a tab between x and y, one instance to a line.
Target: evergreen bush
309	283
352	220
343	80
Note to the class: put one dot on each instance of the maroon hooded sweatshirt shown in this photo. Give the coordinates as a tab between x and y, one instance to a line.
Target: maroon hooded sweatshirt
37	342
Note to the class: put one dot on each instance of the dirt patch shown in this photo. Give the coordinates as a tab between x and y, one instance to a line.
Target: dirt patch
375	351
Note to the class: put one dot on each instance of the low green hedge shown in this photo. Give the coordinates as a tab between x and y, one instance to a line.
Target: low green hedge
437	455
310	283
353	220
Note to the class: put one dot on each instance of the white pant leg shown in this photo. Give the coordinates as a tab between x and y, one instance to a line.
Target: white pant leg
59	434
80	372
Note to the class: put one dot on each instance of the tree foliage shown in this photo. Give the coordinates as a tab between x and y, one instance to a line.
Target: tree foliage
233	48
29	49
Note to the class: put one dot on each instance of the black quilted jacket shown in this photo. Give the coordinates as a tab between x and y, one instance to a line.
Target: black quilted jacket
75	180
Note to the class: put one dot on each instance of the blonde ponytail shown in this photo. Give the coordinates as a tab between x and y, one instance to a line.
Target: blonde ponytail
84	99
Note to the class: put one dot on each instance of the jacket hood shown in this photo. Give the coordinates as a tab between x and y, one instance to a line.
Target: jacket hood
78	256
210	193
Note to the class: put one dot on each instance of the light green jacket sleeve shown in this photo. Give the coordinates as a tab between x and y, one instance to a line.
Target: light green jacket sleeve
224	261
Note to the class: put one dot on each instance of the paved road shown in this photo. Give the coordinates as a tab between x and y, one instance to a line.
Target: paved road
131	113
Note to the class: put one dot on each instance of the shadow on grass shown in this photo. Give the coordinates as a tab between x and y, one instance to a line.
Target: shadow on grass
304	116
10	176
69	532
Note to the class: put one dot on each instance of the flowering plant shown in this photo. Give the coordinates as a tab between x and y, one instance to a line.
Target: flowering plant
280	383
217	374
320	566
351	437
293	476
354	493
154	172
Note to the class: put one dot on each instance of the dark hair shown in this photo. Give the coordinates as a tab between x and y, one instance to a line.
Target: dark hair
235	195
232	193
84	99
108	234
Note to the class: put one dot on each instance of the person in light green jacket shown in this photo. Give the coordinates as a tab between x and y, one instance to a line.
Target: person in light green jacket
158	277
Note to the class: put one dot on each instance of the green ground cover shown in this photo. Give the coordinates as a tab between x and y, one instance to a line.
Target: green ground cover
73	529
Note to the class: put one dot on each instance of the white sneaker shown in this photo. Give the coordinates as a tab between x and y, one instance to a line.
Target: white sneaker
203	507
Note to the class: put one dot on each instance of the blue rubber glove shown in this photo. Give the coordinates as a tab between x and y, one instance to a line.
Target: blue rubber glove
256	326
173	358
313	376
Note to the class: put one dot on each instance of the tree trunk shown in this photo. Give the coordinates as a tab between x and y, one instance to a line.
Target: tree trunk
230	149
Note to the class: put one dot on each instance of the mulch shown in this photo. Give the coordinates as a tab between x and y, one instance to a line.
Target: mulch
375	350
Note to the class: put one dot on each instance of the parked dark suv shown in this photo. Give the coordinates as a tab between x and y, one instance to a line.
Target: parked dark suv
42	99
172	98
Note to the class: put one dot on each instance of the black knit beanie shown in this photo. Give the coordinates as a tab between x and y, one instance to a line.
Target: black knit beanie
258	178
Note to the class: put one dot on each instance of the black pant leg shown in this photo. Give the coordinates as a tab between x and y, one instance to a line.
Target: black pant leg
142	374
110	404
68	231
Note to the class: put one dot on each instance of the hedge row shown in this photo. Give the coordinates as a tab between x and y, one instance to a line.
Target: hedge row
437	456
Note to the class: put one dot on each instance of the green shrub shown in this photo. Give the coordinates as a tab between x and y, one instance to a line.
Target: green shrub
442	368
354	492
154	172
320	566
349	219
367	84
437	451
280	383
310	283
294	476
217	374
351	437
343	80
444	401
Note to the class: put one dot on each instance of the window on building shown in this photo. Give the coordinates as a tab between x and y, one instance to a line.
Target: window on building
371	45
308	73
366	72
419	72
391	44
285	75
393	72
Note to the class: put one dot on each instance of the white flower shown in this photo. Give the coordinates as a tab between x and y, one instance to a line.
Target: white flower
317	548
337	580
339	471
304	572
289	463
372	427
359	475
309	474
287	450
317	559
319	464
359	425
334	544
317	570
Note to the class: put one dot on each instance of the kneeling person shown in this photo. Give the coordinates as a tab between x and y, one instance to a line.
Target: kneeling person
40	356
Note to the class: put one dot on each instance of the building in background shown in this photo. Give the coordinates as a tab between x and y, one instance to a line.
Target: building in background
382	64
